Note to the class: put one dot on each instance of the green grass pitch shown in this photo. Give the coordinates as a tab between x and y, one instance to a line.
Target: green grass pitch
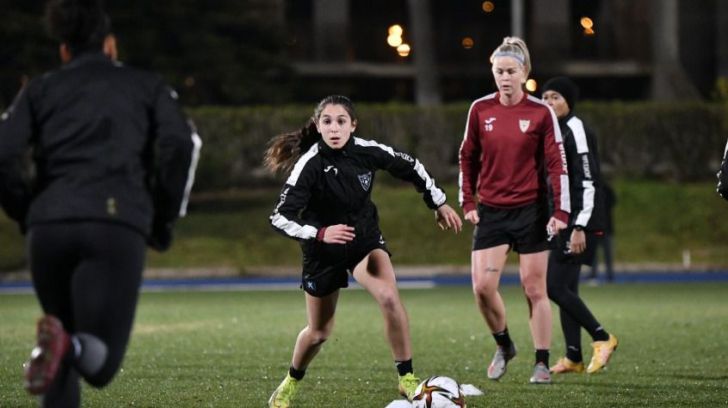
231	349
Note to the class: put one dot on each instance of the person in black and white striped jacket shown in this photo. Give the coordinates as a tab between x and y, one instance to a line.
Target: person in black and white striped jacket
575	245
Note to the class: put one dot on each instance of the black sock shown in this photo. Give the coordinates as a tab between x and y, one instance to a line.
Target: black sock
297	374
600	334
404	367
502	338
573	353
542	356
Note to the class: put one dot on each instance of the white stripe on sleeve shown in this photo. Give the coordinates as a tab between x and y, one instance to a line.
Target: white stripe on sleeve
587	203
197	145
292	228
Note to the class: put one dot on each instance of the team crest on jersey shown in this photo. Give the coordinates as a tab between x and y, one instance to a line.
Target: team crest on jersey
523	124
365	180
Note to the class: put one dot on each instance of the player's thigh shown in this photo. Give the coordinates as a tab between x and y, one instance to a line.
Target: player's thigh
107	280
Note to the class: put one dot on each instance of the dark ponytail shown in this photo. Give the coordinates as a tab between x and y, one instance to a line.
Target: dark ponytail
81	24
285	149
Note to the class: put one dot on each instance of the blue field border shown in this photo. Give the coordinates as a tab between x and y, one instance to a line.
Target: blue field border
290	283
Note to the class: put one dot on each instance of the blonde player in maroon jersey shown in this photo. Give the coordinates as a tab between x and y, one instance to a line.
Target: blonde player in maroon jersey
512	145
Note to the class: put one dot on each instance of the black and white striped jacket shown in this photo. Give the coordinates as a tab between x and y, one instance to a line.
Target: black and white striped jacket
582	156
722	187
109	143
333	186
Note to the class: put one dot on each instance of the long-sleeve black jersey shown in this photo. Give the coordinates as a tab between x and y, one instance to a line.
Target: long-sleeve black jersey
723	175
582	159
108	143
333	186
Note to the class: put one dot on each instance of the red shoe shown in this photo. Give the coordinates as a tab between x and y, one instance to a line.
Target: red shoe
52	344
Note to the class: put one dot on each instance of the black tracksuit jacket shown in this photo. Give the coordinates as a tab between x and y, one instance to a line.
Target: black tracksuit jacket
108	143
333	186
588	208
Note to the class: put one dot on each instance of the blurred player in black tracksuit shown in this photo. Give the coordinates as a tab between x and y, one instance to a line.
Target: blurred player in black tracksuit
96	162
575	245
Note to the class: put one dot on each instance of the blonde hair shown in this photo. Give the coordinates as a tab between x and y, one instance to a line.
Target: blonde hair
515	48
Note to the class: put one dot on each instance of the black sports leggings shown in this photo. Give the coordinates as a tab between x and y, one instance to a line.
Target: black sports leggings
563	288
88	275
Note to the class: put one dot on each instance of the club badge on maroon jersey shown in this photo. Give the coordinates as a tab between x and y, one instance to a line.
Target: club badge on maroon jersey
523	124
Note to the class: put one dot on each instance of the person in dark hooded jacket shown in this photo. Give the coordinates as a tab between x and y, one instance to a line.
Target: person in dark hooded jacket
574	246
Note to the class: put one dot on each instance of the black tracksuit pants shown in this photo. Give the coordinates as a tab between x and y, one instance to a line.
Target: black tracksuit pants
88	275
563	288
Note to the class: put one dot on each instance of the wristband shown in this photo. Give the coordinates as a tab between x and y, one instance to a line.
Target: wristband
578	228
320	234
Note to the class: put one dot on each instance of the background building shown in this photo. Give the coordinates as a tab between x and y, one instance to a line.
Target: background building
278	51
626	49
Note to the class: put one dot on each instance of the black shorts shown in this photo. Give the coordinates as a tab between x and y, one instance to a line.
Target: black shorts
560	248
326	267
522	228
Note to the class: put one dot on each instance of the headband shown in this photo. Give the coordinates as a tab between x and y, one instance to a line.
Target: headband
518	57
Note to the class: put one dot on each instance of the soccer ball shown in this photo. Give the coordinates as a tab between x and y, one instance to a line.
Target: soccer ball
438	392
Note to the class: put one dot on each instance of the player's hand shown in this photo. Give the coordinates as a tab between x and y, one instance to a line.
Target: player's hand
472	216
447	218
577	242
339	234
554	226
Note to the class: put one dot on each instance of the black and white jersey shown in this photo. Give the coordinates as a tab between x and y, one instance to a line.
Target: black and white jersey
108	143
723	175
582	157
333	186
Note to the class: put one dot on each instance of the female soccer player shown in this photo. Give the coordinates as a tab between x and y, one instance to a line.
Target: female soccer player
114	160
326	205
576	244
511	142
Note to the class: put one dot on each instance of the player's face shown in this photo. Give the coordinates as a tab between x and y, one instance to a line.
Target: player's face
509	75
335	125
557	102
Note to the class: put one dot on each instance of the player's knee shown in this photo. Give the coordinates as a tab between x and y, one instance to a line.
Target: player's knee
318	337
554	292
484	290
389	301
535	293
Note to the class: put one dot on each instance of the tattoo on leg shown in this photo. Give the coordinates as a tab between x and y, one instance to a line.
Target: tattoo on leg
491	269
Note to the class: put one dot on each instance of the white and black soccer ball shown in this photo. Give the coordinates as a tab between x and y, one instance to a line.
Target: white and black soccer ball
438	392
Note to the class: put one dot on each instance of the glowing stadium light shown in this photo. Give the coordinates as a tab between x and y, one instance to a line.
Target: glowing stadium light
467	43
531	85
488	6
395	30
394	40
403	50
588	25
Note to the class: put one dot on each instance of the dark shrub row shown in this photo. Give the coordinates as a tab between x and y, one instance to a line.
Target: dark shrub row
647	140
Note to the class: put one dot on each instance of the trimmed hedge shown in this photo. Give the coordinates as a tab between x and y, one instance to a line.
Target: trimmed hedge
679	142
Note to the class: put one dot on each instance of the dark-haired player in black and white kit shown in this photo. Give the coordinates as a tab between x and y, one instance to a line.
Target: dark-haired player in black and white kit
512	144
114	160
326	205
575	245
722	175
